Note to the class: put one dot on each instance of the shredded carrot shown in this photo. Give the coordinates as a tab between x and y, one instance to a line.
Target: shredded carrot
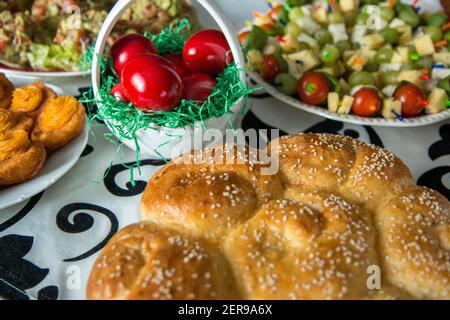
359	61
441	43
391	3
257	14
446	26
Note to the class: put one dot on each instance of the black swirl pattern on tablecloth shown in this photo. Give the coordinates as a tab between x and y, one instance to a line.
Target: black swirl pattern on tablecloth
18	274
22	213
83	221
433	178
87	151
130	190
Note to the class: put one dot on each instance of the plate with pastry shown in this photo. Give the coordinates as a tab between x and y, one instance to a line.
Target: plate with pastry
340	219
379	63
42	135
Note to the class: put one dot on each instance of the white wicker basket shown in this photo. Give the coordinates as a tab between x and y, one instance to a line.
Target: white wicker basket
171	142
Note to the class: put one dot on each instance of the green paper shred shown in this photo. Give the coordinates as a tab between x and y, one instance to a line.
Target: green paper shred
125	120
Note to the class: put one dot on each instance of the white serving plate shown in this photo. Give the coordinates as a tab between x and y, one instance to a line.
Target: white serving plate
57	164
430	5
42	75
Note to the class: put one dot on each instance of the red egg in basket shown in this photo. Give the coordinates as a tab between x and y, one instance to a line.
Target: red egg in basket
118	93
151	83
207	52
198	86
178	63
128	46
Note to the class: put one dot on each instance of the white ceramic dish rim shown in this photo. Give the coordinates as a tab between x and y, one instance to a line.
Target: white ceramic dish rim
44	74
423	120
227	28
381	122
26	190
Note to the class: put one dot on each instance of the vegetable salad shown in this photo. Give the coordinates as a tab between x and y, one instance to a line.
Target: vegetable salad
369	58
54	35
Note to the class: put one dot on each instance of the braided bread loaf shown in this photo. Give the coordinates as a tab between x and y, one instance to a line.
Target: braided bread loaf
336	209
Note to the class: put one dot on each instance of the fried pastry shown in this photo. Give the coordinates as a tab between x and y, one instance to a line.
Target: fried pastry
32	98
59	122
6	89
20	159
14	121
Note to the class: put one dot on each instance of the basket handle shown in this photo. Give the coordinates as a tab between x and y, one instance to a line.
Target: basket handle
122	5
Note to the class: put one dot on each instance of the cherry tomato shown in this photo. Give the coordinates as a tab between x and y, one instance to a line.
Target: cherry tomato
198	86
3	45
178	63
313	88
269	68
127	47
243	36
118	93
151	83
412	99
366	103
207	52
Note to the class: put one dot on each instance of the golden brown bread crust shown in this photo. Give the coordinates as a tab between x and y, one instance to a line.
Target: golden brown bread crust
72	118
336	207
153	263
213	197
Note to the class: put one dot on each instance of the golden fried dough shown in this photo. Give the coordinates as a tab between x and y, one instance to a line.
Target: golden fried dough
20	159
59	122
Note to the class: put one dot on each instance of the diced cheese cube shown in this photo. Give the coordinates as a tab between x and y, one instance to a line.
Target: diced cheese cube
320	14
385	67
372	41
357	62
442	57
389	90
424	45
438	73
308	24
368	54
359	31
346	105
391	108
437	99
347	5
303	37
333	101
412	76
330	71
295	69
306	58
396	22
290	43
272	46
338	31
401	55
307	9
254	59
405	33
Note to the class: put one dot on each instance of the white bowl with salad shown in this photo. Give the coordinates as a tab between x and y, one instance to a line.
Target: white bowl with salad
47	39
368	62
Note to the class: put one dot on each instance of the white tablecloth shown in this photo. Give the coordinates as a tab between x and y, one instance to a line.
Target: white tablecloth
49	243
